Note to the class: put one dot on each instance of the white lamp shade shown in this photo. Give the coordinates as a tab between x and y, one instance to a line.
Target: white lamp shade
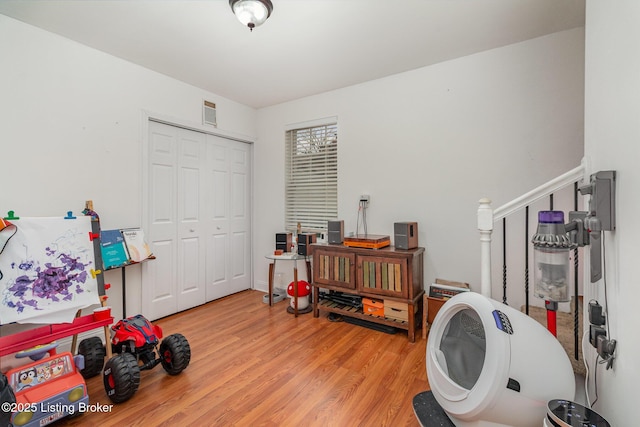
252	13
491	365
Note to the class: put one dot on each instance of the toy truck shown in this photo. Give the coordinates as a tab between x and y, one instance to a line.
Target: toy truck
47	389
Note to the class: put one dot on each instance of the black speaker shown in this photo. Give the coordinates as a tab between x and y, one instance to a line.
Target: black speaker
335	232
405	235
284	241
304	240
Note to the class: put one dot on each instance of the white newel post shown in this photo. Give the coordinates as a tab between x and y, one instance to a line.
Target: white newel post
485	227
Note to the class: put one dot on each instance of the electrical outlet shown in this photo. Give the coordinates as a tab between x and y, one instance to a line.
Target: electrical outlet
605	347
364	200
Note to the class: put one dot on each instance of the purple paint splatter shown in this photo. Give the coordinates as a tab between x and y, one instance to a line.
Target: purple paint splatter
51	282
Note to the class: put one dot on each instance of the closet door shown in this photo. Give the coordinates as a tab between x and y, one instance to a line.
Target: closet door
198	222
175	280
228	217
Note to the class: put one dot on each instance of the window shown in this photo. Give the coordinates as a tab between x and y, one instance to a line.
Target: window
311	177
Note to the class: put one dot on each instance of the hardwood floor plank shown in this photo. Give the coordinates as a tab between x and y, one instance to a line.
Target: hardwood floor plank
255	365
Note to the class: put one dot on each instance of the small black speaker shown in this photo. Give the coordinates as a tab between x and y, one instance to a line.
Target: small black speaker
335	232
405	235
304	240
284	241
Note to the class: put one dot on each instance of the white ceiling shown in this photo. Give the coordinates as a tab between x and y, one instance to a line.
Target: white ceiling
306	46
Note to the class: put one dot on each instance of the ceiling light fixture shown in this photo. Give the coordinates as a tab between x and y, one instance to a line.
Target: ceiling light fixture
251	13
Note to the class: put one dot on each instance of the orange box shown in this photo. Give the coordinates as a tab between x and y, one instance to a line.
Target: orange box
373	307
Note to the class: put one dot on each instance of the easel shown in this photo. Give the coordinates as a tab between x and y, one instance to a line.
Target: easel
45	334
95	230
124	275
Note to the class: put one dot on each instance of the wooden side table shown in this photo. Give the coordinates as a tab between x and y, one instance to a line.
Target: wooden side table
288	256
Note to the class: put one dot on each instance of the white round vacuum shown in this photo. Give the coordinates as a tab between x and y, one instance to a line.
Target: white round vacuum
491	365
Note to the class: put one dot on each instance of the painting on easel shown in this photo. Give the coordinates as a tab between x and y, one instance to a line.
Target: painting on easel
47	270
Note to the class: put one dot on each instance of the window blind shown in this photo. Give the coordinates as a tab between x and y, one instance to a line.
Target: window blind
311	177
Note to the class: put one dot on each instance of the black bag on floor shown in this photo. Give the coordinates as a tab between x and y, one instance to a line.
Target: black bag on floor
6	395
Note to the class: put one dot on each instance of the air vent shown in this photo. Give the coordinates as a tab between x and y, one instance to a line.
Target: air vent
209	113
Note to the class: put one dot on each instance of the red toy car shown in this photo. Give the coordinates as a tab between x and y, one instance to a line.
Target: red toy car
48	389
136	340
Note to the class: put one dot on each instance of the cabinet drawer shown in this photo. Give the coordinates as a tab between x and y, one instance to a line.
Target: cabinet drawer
396	310
335	269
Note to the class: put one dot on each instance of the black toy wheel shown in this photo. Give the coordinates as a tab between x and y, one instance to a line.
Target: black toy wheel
93	352
175	354
121	377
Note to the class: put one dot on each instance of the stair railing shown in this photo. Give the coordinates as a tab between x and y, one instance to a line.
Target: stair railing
488	217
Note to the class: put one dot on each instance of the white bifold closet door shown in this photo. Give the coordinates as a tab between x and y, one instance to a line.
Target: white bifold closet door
198	219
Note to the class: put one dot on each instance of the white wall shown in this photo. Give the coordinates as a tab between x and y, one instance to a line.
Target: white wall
612	142
429	143
426	144
72	122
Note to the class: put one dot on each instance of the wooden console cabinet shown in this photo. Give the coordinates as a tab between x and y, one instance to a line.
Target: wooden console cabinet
388	274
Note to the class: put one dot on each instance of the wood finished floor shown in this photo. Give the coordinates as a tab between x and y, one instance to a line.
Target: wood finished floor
254	365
